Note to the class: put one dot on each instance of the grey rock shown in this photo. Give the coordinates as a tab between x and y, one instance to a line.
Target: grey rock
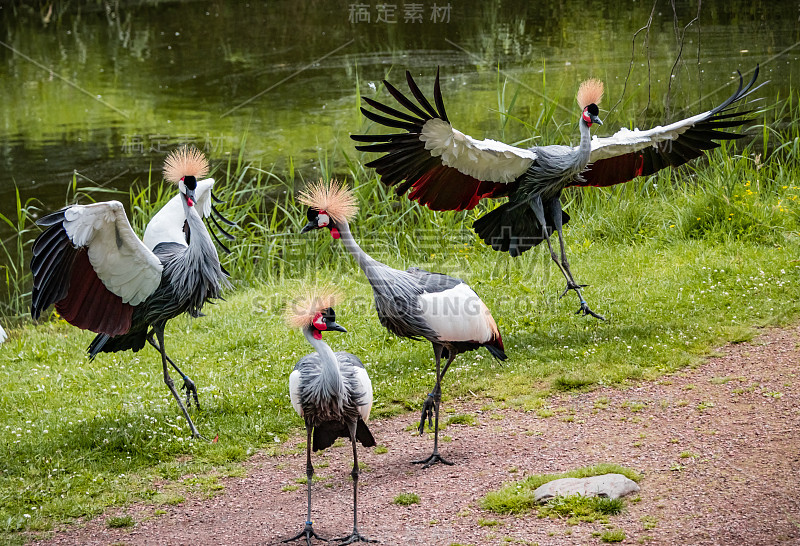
612	486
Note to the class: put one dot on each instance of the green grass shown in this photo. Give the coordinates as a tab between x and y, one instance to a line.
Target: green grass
613	535
649	522
678	263
517	497
462	419
116	522
406	499
578	508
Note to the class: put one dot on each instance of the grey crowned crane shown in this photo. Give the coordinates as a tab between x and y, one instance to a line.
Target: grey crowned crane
331	392
415	304
101	277
444	169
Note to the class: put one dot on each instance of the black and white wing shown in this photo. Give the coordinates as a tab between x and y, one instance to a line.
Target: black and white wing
295	392
443	168
362	387
453	310
628	154
91	265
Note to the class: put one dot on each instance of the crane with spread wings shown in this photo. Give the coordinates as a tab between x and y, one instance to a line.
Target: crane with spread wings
90	264
442	168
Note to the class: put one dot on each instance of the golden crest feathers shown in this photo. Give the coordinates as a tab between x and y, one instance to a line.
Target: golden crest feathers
300	312
334	197
590	91
185	161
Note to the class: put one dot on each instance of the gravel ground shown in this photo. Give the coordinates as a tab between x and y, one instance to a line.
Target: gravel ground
738	415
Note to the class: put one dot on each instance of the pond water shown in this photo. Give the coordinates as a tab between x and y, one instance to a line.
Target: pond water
103	89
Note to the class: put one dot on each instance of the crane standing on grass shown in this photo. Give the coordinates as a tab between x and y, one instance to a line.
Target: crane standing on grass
444	169
101	277
331	392
415	304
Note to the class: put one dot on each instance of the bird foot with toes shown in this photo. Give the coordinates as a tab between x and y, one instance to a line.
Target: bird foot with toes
573	286
354	537
307	533
432	460
191	393
584	310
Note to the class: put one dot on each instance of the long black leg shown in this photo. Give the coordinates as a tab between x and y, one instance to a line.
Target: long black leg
555	208
562	263
188	384
355	536
308	530
430	400
435	457
168	380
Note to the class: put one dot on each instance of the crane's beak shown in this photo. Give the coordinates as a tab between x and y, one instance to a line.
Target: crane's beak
312	225
190	197
336	327
597	120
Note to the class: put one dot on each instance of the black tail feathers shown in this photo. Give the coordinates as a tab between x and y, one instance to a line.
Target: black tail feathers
364	435
103	343
497	352
325	434
512	227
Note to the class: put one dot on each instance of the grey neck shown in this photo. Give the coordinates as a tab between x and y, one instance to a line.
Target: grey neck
364	260
331	382
585	147
200	261
199	238
324	350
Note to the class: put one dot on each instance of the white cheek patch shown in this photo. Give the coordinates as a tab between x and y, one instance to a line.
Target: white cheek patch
323	219
319	322
182	187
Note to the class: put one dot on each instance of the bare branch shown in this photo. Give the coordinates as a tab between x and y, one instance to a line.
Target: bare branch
633	49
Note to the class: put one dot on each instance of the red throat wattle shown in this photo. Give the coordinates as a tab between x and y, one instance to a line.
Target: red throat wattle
189	200
335	233
317	334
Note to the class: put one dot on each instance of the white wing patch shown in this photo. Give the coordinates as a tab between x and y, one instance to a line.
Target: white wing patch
626	141
166	226
122	262
365	386
482	159
458	314
294	391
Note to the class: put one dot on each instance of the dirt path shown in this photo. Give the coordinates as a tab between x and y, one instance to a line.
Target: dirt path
738	415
